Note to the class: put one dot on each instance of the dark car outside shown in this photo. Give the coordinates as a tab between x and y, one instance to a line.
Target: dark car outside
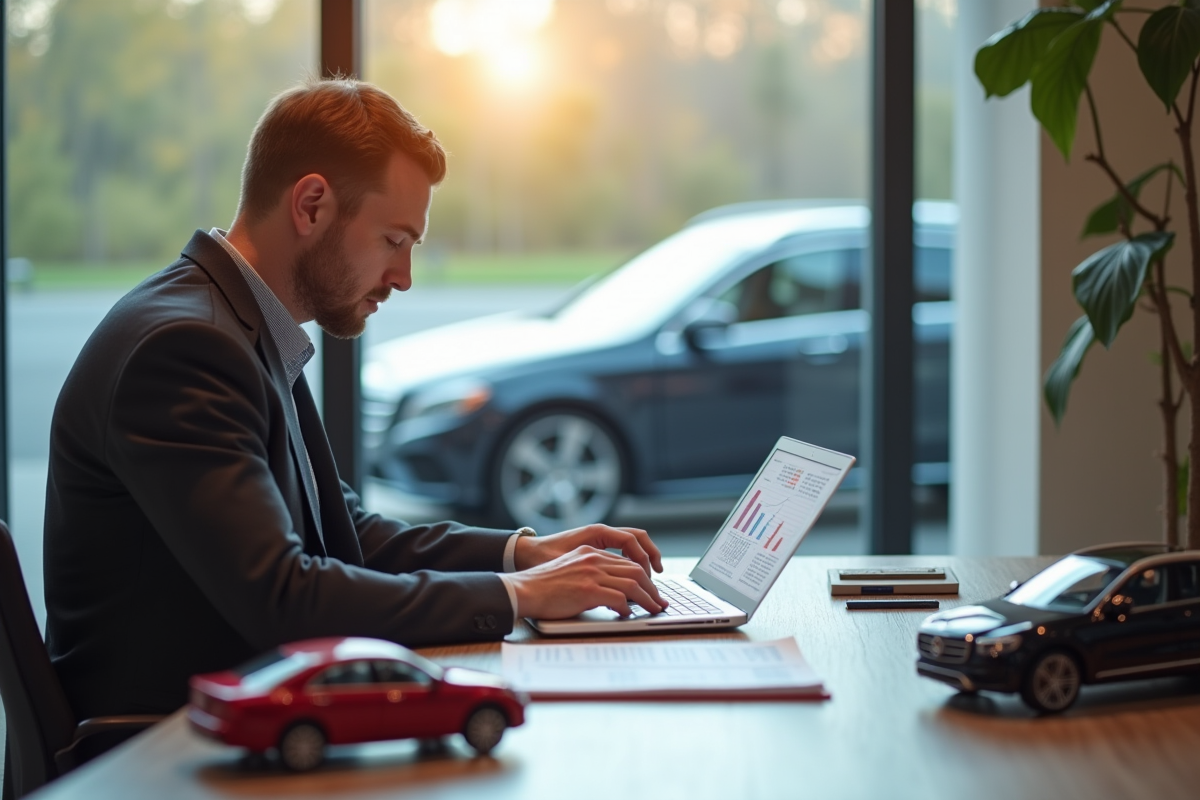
669	377
1108	613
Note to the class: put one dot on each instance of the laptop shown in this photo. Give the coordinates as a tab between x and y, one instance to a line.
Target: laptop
750	550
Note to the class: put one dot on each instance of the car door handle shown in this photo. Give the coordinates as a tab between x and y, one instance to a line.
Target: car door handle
824	349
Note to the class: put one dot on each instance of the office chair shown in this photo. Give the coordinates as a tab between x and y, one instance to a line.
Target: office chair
43	741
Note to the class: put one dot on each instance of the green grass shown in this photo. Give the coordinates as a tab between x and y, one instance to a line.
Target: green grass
429	268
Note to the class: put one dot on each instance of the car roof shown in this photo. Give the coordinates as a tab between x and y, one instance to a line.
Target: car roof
926	213
346	648
1125	553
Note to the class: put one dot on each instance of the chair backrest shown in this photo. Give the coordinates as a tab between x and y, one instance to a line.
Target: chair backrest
39	718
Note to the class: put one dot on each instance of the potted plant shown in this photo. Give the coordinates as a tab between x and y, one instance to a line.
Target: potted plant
1053	49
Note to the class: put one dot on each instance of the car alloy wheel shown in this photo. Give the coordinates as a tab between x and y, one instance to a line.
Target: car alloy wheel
302	747
1052	683
484	728
559	471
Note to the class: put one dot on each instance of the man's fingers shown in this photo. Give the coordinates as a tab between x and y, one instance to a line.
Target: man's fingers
632	590
640	588
648	545
614	599
627	541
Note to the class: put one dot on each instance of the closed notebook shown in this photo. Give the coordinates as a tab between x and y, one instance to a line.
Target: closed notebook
839	587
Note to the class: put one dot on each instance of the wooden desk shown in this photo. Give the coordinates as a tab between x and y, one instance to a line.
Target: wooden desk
885	734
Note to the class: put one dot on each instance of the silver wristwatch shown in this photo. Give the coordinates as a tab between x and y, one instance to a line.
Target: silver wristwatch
525	530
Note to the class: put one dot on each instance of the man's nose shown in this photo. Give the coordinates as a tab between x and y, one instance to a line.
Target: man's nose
400	277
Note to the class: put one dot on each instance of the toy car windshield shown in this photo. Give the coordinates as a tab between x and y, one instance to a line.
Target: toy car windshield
1068	585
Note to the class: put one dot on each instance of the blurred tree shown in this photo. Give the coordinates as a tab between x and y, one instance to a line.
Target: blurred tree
129	118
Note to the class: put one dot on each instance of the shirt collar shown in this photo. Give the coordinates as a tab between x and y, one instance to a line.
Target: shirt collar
295	348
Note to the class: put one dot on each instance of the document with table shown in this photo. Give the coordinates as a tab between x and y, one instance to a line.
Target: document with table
694	669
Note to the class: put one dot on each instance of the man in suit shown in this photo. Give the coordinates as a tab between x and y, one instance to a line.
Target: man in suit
194	514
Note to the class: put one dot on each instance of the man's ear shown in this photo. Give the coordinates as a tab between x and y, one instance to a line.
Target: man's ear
312	205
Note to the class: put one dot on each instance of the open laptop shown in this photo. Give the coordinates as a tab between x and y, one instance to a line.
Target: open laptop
743	560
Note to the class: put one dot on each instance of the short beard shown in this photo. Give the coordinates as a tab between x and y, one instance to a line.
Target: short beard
323	286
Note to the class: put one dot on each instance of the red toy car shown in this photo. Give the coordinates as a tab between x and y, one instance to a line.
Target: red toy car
302	696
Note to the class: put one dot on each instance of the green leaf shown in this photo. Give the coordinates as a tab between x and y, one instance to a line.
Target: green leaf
1108	282
1167	49
1057	383
1107	218
1005	61
1060	76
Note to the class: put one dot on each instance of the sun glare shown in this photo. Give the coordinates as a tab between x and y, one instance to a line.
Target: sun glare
512	65
501	32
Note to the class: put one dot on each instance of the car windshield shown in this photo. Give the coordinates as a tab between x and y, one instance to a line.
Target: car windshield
648	288
1066	585
271	669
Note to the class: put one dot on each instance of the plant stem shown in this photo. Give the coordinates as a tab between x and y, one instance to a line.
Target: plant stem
1192	378
1087	89
1125	36
1169	408
1154	219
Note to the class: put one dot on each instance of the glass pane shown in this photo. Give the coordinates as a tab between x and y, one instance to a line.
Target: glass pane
581	133
128	123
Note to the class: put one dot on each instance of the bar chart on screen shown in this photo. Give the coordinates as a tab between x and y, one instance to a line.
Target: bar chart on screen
766	529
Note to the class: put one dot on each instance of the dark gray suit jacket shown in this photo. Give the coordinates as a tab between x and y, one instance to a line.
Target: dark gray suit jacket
178	536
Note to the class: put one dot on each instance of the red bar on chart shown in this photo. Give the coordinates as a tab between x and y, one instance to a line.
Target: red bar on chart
772	536
742	518
777	541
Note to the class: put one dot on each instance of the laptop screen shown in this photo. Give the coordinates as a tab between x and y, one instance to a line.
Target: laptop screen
765	528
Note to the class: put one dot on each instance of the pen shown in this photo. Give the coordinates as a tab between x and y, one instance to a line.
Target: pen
866	605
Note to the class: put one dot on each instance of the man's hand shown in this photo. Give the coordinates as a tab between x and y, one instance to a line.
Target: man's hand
634	543
566	573
584	578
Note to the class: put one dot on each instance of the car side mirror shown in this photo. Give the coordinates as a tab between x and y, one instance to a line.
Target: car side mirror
704	333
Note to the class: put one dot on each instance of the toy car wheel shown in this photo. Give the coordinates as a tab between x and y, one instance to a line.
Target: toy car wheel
302	747
484	728
1052	682
557	471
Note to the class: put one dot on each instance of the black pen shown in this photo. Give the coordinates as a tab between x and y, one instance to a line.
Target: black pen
867	605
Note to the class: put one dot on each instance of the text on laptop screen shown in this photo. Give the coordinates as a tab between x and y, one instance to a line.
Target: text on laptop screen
766	528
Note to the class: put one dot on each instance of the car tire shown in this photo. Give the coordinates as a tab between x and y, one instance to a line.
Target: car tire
1051	683
302	747
557	470
484	729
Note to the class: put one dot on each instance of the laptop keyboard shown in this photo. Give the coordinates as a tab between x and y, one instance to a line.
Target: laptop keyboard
682	601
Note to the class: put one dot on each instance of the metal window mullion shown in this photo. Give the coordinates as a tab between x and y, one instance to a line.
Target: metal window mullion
888	364
341	359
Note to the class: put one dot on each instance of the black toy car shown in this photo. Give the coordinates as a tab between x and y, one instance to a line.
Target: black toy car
1107	613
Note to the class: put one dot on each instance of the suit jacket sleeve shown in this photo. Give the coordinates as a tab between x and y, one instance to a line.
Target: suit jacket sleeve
188	422
393	546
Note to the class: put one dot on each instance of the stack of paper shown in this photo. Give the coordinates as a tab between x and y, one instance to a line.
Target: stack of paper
687	669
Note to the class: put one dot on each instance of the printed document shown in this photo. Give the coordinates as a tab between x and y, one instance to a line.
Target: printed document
696	669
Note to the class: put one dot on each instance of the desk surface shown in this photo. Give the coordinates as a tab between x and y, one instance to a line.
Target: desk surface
885	733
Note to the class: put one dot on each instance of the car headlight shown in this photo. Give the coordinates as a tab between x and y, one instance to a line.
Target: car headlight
997	645
455	398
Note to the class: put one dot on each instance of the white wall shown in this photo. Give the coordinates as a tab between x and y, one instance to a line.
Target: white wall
995	374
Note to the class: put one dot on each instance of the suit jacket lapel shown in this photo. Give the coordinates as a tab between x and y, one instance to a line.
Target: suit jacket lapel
341	539
212	258
295	434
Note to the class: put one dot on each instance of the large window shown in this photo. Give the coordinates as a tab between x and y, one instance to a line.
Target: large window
581	133
128	122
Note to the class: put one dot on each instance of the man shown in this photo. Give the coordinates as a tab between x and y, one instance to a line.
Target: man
194	515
